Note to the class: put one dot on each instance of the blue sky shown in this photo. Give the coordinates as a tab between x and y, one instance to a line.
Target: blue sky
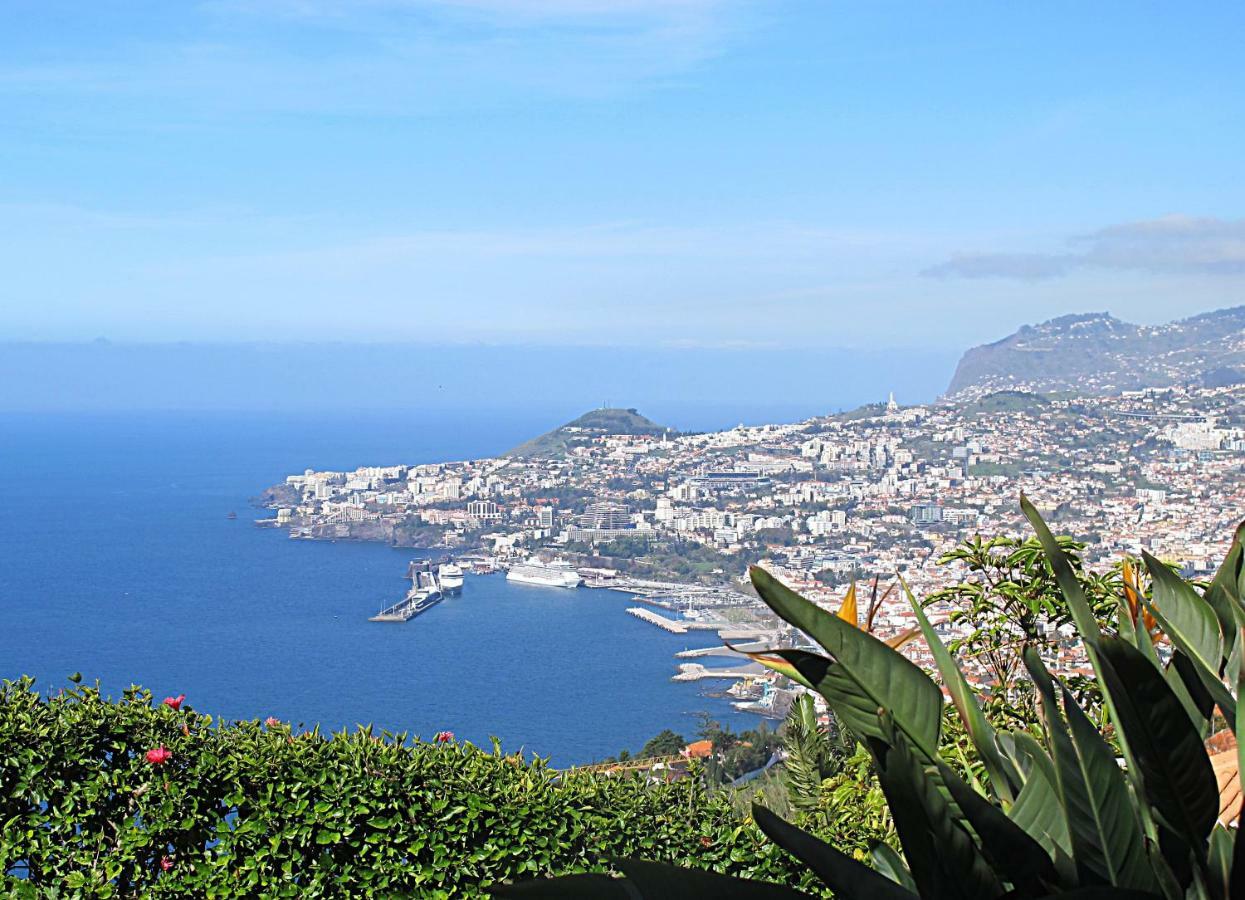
711	173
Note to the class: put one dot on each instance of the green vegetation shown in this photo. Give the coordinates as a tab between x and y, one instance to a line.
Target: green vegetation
1011	600
1005	402
592	424
247	810
675	560
1042	809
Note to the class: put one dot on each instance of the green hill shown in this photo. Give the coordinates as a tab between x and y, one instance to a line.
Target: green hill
590	425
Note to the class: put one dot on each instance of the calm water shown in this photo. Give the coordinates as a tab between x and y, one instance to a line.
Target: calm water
117	560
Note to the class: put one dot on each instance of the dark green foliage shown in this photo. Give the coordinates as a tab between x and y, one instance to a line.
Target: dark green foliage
811	753
666	743
244	810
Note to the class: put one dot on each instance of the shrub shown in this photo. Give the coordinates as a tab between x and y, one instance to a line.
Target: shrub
250	809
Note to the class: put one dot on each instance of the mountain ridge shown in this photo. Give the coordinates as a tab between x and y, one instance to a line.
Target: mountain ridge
1098	353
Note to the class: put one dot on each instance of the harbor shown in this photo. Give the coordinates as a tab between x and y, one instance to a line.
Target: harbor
676	609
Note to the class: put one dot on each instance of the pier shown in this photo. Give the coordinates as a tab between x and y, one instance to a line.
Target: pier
722	651
400	612
695	672
647	615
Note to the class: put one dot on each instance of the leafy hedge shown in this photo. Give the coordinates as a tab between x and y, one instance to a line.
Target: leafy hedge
247	809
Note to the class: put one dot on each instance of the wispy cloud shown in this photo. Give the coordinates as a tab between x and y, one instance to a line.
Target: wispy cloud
386	57
1175	244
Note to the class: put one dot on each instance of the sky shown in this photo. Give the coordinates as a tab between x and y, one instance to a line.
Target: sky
708	174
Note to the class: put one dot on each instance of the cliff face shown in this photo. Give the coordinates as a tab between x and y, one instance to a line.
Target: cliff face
1098	353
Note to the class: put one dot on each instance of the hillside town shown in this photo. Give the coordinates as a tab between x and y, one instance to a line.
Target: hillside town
882	490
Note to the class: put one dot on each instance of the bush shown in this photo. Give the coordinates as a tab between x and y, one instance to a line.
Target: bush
245	809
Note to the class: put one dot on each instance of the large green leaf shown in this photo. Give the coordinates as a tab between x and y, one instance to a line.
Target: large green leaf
1015	855
1167	748
1039	811
1069	584
658	881
944	859
1236	883
1207	676
1003	778
1222	845
855	708
869	675
1223	595
1102	893
1106	837
1188	616
845	876
1182	677
887	861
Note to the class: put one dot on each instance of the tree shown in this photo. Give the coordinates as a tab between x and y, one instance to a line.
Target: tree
1012	599
812	753
666	743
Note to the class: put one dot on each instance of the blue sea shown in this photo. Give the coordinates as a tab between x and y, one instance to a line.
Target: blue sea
117	560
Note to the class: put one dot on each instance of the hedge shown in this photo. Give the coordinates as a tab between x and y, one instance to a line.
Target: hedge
256	809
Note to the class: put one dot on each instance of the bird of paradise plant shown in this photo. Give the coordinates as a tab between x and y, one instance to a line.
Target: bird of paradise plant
1060	816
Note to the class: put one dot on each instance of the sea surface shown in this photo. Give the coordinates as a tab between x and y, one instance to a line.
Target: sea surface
117	560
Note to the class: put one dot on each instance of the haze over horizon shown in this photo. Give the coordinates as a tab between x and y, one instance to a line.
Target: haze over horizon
670	174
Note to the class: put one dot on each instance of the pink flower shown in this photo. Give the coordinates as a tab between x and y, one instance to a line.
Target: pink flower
444	737
272	721
159	756
166	863
175	703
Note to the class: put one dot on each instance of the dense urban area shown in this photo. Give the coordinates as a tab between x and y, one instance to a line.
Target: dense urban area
880	491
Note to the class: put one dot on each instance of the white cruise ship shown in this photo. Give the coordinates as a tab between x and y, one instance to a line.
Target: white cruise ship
451	578
558	573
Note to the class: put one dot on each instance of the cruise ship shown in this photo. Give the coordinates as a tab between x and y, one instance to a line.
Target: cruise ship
450	576
558	573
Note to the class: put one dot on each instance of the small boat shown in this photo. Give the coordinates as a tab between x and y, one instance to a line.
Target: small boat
231	515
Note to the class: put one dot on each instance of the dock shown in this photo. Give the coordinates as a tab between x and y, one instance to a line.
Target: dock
401	611
695	672
647	615
723	651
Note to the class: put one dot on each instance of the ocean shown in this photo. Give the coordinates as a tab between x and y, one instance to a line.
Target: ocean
117	560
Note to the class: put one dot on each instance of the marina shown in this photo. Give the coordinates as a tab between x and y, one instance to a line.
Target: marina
685	610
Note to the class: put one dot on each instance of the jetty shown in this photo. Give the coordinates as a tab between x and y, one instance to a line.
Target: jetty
696	672
401	611
647	615
737	650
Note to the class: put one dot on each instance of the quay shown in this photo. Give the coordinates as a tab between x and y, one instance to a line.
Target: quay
722	651
695	672
399	612
652	618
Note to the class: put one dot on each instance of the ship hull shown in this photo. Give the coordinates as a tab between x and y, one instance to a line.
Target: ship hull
559	581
